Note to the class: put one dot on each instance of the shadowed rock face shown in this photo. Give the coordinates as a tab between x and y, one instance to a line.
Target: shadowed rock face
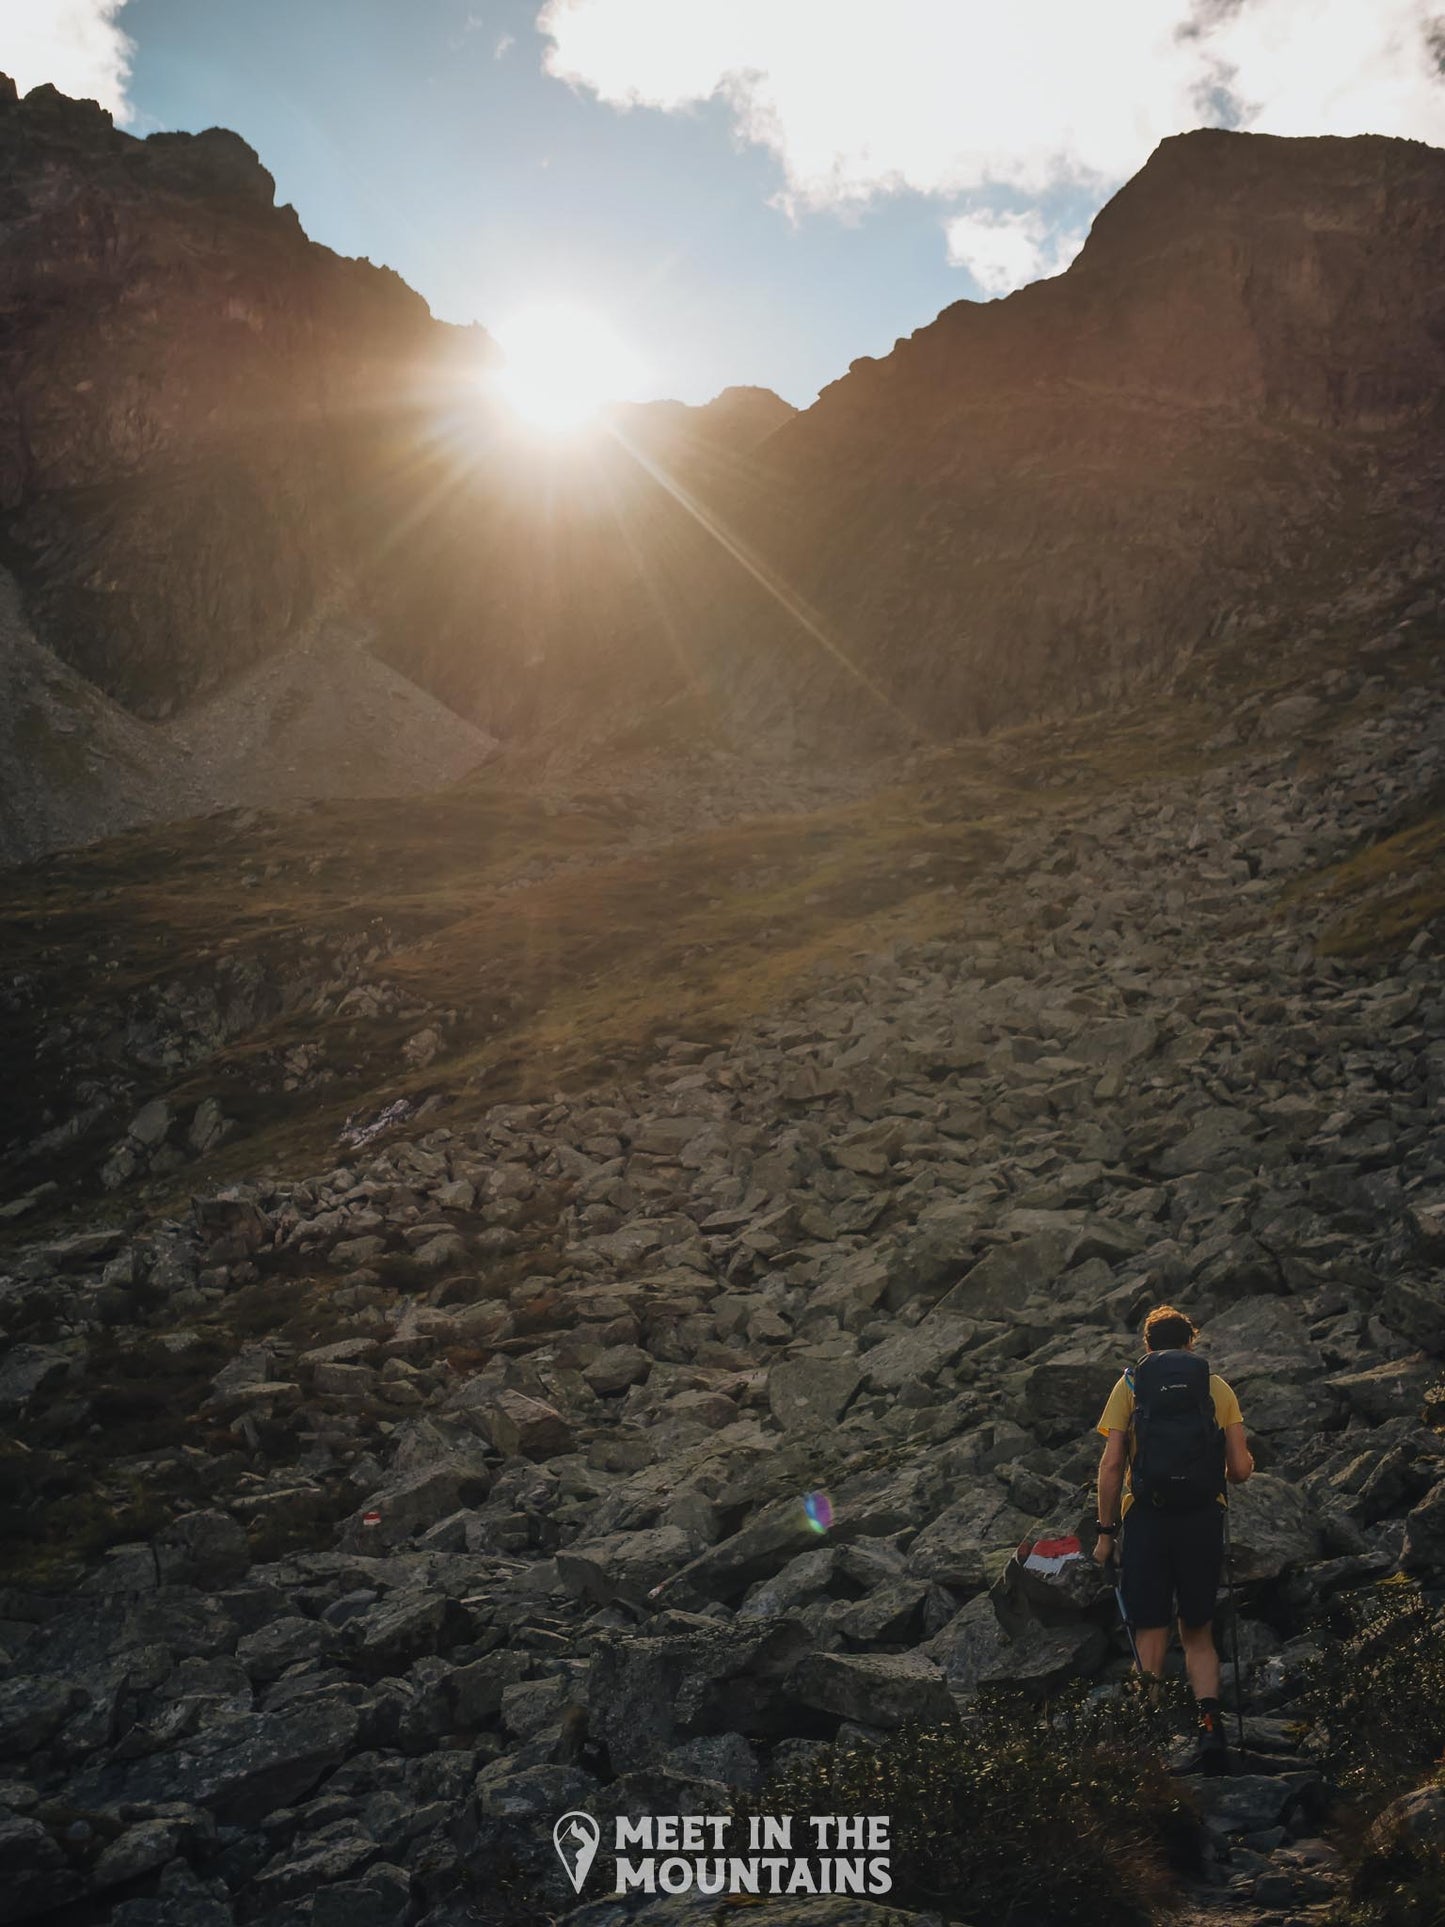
214	432
1033	501
187	383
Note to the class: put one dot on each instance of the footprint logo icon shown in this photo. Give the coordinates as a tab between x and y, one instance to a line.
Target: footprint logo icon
576	1837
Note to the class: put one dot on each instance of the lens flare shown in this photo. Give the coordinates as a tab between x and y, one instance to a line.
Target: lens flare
819	1508
560	365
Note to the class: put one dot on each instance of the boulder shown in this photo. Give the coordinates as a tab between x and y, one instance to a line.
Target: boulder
1252	1802
1216	1138
1424	1548
726	1570
1389	1390
969	1645
32	1711
1043	1582
1073	1385
1039	1659
692	1677
1261	1338
1417	1816
271	1649
1005	1276
917	1354
26	1370
617	1367
1416	1308
808	1393
1273	1527
204	1549
518	1426
879	1689
1116	1043
243	1768
968	1545
625	1566
410	1503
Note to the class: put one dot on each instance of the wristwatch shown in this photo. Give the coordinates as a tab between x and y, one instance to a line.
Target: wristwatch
1106	1532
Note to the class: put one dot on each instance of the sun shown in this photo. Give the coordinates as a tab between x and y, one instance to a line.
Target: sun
560	365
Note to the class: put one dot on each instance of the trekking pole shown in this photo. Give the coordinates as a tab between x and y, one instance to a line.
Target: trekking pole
1233	1624
1123	1613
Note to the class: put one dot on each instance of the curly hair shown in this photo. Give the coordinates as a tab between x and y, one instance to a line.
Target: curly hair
1167	1329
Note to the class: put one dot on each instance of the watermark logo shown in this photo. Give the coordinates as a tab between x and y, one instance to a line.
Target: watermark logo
576	1837
719	1853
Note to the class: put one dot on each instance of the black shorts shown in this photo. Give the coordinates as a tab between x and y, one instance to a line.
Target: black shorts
1169	1557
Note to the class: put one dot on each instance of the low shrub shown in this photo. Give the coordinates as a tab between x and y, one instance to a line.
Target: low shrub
1397	1874
1024	1815
1376	1697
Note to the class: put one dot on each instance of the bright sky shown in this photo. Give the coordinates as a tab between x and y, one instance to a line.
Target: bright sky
743	190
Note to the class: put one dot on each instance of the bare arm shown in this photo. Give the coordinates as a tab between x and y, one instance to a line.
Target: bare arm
1238	1459
1111	1488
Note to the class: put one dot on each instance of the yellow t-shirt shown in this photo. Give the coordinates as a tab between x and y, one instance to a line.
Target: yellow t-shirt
1119	1412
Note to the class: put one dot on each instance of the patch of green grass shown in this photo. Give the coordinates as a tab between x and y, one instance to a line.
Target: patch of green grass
1382	895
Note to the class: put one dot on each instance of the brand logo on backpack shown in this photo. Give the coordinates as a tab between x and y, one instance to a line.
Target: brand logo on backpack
1178	1444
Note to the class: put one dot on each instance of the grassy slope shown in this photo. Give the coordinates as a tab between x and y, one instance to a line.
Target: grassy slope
576	976
558	981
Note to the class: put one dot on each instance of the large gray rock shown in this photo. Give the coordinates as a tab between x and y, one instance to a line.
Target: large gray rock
1260	1338
33	1869
1418	1816
1040	1659
968	1647
648	1694
409	1504
1073	1385
1050	1594
917	1354
626	1565
878	1689
1119	1041
1389	1390
238	1769
204	1549
1272	1526
517	1426
617	1367
26	1370
1005	1276
1252	1802
281	1643
968	1545
32	1711
1424	1548
335	1852
1215	1139
808	1394
1416	1308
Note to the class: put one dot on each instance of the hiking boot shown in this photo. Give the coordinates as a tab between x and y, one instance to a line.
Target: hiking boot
1213	1747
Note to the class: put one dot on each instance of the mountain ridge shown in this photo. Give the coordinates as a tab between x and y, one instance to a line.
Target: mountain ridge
1225	412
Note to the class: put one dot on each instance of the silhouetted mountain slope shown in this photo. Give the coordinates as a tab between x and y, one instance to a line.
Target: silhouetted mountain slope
215	431
1228	403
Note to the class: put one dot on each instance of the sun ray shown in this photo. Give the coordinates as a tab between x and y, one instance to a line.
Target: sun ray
559	365
792	605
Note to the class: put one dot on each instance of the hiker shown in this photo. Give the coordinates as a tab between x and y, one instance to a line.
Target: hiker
1173	1436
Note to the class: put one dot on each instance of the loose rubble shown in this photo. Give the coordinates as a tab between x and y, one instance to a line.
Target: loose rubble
540	1491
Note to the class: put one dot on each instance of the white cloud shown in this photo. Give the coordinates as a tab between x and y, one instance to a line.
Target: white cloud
962	99
76	45
1003	251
